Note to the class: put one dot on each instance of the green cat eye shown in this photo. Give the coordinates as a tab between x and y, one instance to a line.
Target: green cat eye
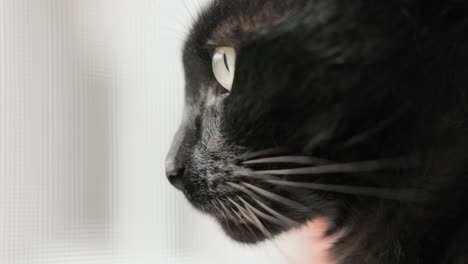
224	66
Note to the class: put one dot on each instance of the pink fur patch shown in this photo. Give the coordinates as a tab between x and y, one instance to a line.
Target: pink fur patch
308	244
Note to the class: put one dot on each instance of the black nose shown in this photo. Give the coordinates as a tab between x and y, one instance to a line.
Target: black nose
178	155
174	175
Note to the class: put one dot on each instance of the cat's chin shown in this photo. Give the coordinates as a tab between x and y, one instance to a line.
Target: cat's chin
250	234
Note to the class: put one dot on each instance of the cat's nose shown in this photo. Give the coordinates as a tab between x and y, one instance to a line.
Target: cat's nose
174	175
178	155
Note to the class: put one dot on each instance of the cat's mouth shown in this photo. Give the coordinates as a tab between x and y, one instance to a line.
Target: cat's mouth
246	205
248	217
265	196
256	196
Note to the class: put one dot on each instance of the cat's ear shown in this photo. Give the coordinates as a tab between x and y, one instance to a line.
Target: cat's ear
224	66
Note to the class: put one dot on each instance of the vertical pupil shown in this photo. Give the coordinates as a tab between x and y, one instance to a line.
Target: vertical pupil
225	62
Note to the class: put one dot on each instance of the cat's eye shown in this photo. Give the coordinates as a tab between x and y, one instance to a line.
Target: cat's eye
224	66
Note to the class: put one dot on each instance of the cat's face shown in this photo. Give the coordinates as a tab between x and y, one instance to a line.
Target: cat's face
282	93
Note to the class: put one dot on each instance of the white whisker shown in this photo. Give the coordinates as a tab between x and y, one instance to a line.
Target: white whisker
225	214
288	159
365	166
257	199
223	211
256	175
263	152
260	213
259	224
274	196
267	234
241	209
241	219
384	193
282	217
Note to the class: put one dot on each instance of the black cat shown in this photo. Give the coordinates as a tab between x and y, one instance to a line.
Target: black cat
352	110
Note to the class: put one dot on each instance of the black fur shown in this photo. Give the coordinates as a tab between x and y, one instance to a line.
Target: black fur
346	81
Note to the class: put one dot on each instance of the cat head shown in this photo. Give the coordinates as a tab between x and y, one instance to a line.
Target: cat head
288	102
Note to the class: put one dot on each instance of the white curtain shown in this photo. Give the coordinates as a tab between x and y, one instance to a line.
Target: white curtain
90	96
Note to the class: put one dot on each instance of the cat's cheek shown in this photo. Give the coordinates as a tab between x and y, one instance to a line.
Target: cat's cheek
308	244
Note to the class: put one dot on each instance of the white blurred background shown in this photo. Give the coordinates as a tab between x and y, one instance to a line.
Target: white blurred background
90	96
